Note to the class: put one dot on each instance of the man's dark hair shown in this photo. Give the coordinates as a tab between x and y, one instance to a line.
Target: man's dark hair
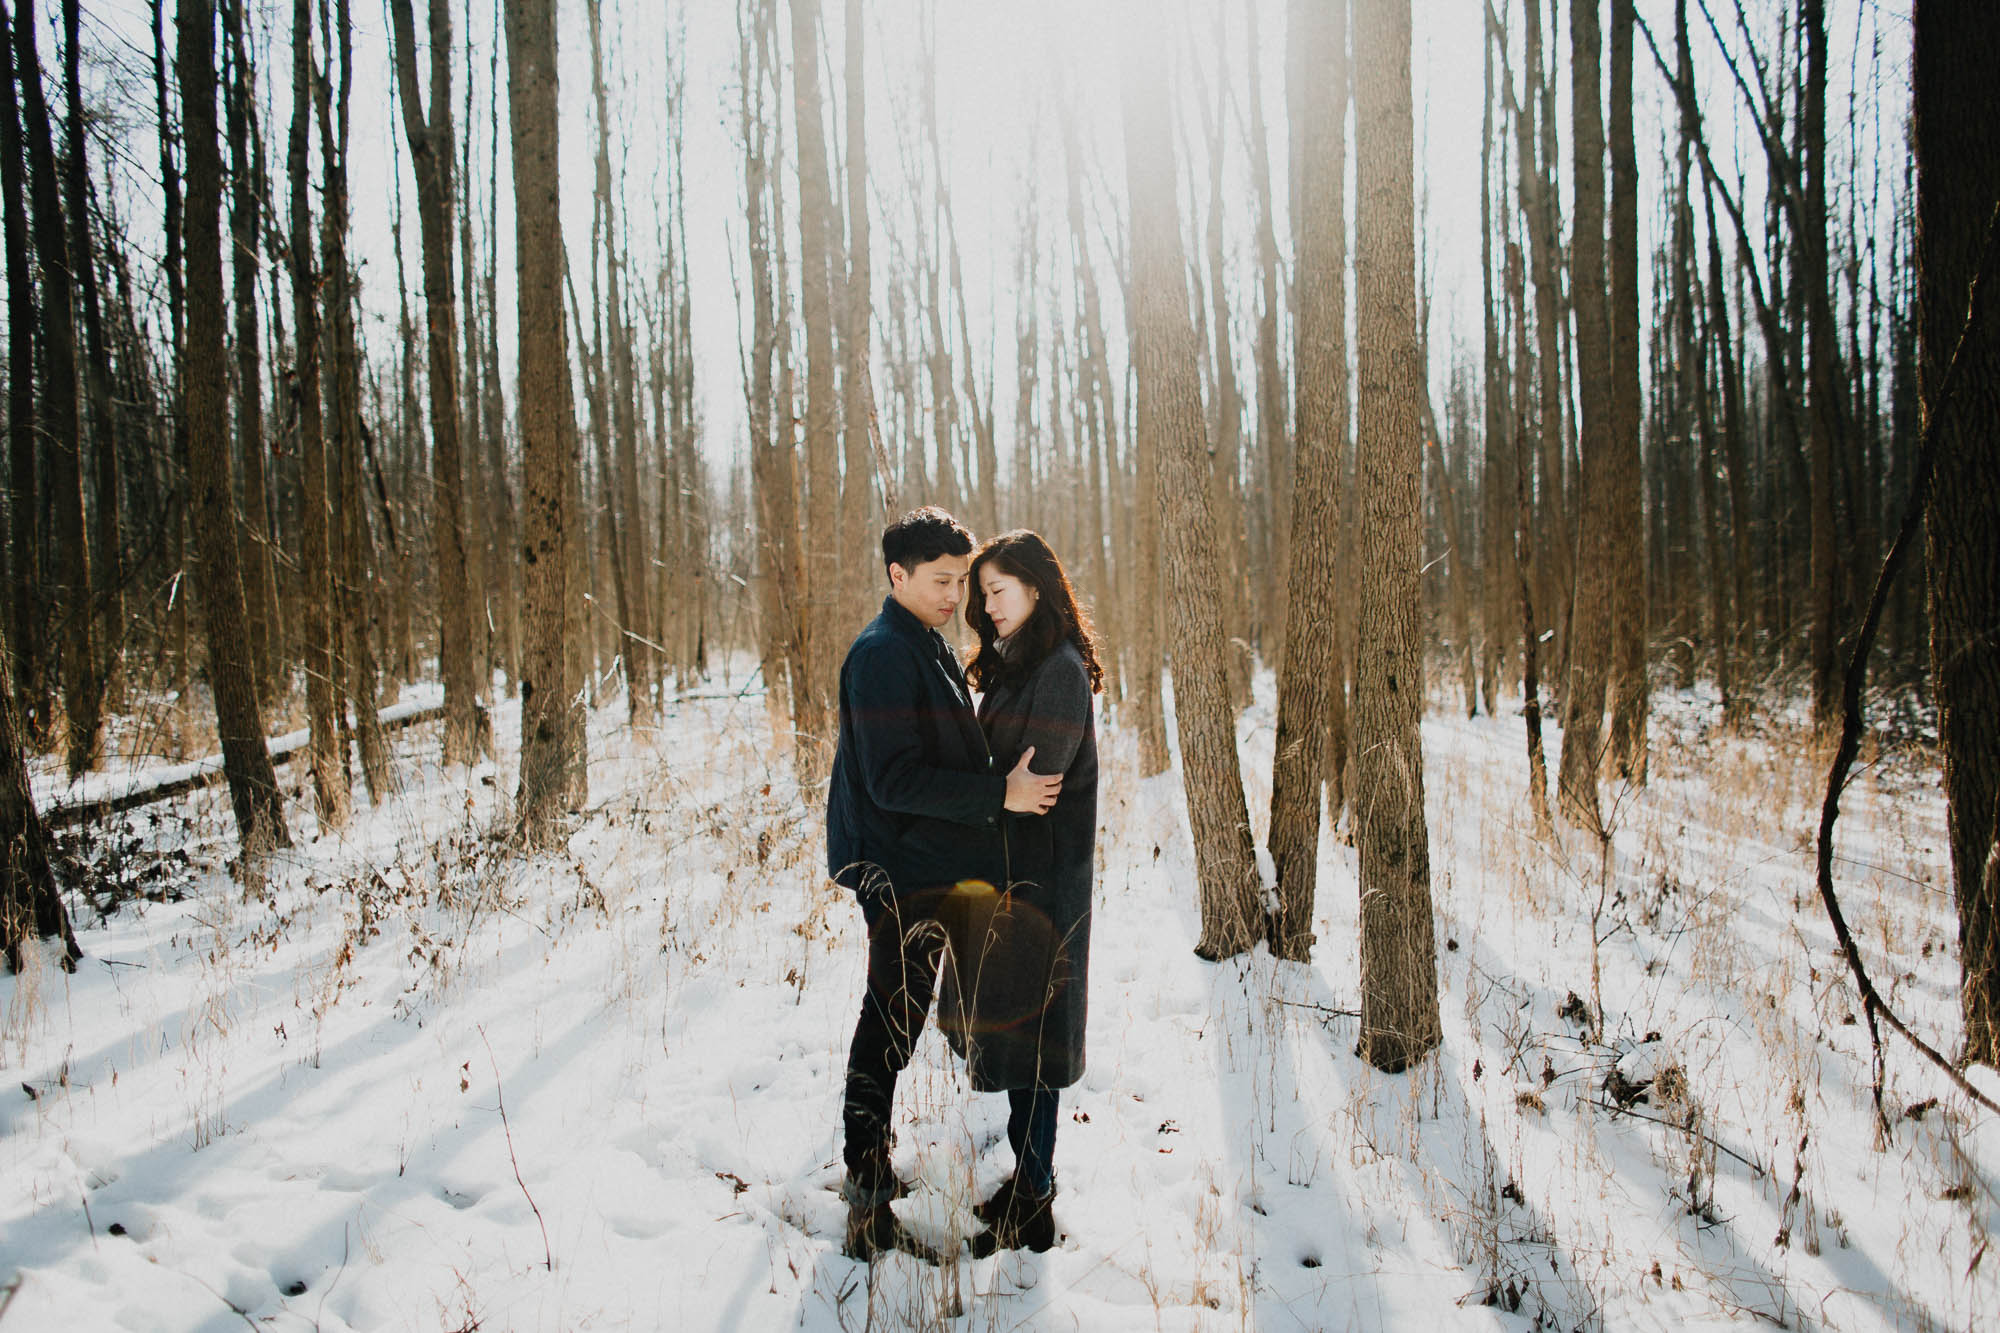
923	535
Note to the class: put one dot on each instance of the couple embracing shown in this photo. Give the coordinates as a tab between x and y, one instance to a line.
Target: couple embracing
968	835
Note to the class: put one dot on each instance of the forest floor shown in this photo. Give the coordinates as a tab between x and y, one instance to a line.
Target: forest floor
417	1081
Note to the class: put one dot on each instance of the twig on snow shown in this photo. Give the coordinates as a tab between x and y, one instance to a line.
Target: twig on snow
1691	1133
548	1255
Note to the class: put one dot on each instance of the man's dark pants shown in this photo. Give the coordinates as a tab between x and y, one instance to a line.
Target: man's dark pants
906	936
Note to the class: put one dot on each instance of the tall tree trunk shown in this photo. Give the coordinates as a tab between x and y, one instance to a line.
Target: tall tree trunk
433	155
547	425
354	594
24	515
1458	570
856	391
1273	463
1734	452
60	422
107	593
171	211
1825	388
1496	486
1399	1007
324	753
1628	629
816	220
772	499
1590	619
1310	698
1957	136
1167	361
476	508
1523	526
1535	153
1226	449
31	904
246	237
493	407
253	786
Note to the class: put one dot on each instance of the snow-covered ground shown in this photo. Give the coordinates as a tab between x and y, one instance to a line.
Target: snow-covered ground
421	1082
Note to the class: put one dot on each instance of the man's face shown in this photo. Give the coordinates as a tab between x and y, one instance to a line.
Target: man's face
932	591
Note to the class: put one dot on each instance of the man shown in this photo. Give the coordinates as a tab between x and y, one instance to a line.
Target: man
912	811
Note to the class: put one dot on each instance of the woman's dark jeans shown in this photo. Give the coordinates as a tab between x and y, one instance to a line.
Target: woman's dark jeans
1031	1129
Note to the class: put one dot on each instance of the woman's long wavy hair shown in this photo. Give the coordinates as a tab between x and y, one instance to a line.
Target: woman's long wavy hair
1056	616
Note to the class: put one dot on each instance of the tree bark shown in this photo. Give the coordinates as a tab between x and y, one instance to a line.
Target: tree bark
1399	1009
493	406
326	760
1523	525
1166	358
1226	449
31	904
1629	700
1496	486
60	422
24	517
856	392
253	786
172	211
246	236
433	155
1956	117
1311	700
816	244
1273	464
107	592
1535	153
1733	430
354	594
547	426
1597	553
1825	380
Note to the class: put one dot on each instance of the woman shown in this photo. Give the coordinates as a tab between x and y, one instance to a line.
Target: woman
1020	965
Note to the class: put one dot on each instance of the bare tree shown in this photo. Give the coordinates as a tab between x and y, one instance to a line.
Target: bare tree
1273	463
1399	1007
107	592
1311	695
822	435
1628	625
433	156
548	427
1166	358
1590	620
253	786
325	752
60	420
857	393
31	904
24	513
246	248
1956	108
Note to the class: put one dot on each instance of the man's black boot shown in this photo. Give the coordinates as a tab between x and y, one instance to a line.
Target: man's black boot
871	1229
995	1207
1023	1224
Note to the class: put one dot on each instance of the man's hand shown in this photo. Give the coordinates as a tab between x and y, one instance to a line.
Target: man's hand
1031	793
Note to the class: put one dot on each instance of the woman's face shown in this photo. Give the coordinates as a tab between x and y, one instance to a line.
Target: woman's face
1009	602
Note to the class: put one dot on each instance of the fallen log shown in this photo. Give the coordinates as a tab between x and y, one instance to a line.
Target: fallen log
163	783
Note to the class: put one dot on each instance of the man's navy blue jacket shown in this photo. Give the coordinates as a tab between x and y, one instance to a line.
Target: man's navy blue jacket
914	799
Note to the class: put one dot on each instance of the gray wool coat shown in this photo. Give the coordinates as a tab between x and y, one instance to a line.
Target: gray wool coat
1013	994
